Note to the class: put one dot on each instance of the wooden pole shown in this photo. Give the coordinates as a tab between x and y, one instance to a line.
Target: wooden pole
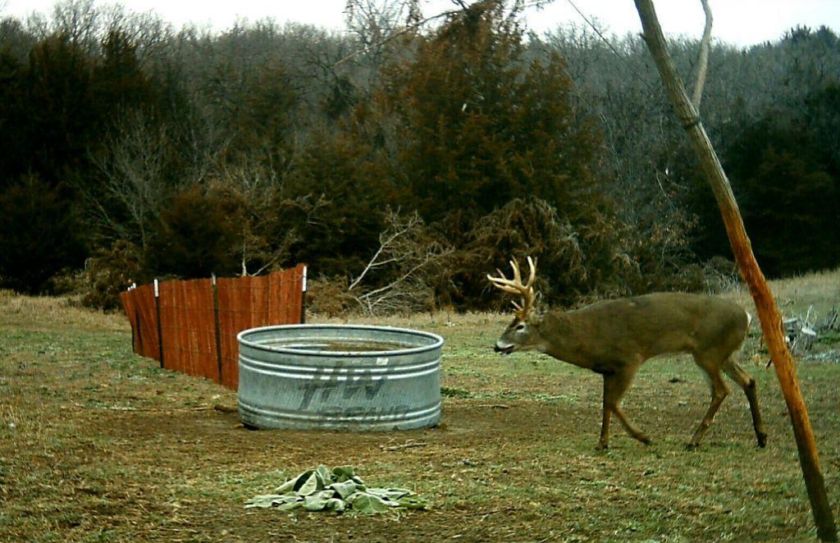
217	331
159	326
768	312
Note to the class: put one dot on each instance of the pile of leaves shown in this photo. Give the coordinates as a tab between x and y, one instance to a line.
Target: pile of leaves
338	490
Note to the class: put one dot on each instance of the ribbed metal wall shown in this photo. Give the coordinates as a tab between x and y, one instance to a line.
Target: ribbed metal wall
291	377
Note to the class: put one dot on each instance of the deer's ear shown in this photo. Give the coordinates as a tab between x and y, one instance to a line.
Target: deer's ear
539	307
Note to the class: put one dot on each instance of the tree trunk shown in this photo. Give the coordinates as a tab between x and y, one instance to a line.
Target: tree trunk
768	312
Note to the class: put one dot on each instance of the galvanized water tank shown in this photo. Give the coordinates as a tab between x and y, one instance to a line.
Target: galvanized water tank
346	377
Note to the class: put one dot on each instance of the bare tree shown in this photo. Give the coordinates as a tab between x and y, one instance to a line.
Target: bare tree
80	21
377	23
132	167
254	187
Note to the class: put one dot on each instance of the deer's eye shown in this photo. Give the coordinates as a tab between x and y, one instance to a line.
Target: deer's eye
520	327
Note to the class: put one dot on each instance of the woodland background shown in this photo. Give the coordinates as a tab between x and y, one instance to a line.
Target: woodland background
401	161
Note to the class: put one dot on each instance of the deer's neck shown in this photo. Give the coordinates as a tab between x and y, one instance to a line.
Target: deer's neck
564	339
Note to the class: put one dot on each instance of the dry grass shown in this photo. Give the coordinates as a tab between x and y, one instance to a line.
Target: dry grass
44	311
820	291
97	444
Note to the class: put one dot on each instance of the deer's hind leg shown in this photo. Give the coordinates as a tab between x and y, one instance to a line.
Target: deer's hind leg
711	365
747	383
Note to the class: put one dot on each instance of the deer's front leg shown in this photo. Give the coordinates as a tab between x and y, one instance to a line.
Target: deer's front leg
604	441
615	385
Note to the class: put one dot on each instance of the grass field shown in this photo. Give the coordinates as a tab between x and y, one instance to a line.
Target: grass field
97	444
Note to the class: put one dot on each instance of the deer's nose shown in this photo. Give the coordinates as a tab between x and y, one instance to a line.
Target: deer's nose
503	348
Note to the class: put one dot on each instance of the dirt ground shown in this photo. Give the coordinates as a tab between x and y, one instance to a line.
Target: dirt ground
475	446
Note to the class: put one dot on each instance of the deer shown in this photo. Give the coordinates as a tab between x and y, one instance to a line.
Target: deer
615	337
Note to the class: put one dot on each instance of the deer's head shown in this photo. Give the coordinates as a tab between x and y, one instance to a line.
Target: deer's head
523	333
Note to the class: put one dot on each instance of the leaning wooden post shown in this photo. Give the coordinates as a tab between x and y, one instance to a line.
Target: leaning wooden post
768	312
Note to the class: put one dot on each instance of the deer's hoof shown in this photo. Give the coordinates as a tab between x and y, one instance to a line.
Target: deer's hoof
645	439
762	440
602	446
692	446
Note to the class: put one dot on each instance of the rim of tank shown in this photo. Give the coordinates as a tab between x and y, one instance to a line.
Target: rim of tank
437	340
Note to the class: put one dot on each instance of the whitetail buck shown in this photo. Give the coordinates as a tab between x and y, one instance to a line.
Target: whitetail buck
613	338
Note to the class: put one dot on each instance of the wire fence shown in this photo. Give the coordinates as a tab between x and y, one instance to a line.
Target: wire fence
191	326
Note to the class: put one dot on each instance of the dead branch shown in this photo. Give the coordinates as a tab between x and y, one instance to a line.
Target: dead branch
595	29
407	256
703	59
387	240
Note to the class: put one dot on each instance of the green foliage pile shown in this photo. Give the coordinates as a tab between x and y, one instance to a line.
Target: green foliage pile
150	153
337	490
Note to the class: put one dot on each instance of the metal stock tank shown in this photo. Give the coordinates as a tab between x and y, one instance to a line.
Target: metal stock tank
339	377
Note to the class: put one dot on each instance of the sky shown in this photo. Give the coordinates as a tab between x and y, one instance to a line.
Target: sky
738	22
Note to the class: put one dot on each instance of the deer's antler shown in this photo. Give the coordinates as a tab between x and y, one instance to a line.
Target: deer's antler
515	286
